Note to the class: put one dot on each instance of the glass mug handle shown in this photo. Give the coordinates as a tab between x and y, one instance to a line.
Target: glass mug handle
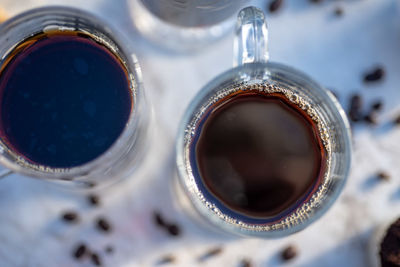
251	37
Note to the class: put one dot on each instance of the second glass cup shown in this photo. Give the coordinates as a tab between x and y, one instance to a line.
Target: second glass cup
72	102
262	150
184	25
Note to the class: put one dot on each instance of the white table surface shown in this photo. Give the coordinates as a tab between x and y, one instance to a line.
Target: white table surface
334	51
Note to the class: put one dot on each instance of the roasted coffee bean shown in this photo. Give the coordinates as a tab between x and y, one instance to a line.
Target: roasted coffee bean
275	5
374	75
289	253
338	11
245	263
371	118
211	253
96	259
355	108
70	217
109	249
397	120
173	229
94	200
377	105
90	184
103	225
315	1
382	175
158	219
80	251
166	260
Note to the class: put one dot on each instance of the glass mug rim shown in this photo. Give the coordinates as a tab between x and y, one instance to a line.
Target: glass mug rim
125	53
211	88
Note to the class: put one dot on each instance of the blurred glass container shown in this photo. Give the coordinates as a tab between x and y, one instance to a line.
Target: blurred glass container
184	25
376	239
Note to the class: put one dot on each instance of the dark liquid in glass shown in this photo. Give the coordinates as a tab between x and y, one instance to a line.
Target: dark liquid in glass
64	99
259	154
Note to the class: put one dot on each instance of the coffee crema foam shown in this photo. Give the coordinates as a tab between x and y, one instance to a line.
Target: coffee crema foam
301	213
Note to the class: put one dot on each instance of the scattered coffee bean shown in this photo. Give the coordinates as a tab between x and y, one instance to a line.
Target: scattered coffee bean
80	251
289	253
355	108
338	11
245	263
211	253
90	184
166	260
315	1
371	118
397	120
374	75
103	225
275	5
382	175
95	259
70	217
158	219
94	200
173	229
109	249
377	105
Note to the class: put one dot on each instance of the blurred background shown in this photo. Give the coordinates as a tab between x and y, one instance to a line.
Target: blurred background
336	42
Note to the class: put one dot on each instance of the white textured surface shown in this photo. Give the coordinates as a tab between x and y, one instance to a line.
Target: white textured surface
334	51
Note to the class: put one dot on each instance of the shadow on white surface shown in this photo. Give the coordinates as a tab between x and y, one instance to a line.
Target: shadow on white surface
344	253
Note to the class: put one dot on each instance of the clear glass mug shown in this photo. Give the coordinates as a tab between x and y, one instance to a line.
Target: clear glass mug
184	25
127	151
255	72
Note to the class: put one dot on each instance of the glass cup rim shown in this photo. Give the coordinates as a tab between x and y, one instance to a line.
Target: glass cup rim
201	97
77	172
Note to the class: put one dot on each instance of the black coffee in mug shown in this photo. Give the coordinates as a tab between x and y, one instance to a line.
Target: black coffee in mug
64	99
259	153
262	149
